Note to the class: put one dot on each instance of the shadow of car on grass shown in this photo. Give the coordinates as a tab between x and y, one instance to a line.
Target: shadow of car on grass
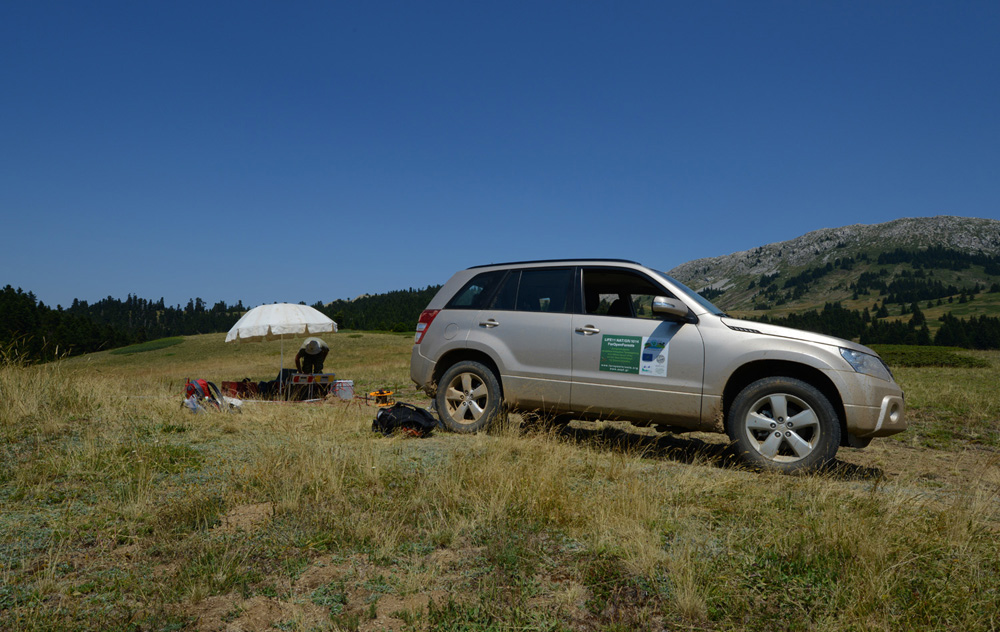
690	450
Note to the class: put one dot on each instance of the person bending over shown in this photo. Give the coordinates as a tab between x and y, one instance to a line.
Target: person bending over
311	355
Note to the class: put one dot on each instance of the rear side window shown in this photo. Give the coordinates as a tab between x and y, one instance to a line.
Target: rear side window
544	290
531	290
476	291
506	296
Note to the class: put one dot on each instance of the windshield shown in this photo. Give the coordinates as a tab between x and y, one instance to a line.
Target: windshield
694	296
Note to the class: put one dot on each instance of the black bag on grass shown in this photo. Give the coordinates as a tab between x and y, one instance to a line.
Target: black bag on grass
406	417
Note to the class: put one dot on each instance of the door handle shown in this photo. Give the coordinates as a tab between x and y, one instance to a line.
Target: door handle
588	330
490	323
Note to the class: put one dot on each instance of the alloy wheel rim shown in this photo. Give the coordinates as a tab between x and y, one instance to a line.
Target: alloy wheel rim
782	428
466	398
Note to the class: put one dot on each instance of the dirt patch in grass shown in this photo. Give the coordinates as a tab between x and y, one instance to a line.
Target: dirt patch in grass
245	518
231	613
928	468
330	593
392	612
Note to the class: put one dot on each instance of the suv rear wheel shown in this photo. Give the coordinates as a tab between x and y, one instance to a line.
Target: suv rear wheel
784	424
468	397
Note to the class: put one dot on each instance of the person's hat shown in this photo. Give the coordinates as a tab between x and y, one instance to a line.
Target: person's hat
312	347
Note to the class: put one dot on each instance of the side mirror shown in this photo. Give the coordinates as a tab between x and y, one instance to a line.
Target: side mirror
671	308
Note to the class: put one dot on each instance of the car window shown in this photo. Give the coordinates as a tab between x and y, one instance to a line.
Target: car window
506	296
619	293
544	290
476	291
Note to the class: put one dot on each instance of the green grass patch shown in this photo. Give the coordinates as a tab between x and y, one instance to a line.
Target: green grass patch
949	407
920	356
151	345
331	596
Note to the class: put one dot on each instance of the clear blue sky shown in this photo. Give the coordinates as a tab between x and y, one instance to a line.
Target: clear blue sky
287	151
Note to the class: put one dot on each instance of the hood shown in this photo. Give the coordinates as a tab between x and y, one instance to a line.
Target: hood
795	334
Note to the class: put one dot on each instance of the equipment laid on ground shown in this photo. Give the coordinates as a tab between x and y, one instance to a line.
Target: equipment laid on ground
296	387
201	396
382	397
244	388
312	384
408	418
275	322
344	389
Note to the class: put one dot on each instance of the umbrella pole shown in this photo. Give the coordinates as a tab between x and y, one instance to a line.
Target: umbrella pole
281	369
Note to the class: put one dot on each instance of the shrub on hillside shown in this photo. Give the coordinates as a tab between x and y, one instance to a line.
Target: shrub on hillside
917	356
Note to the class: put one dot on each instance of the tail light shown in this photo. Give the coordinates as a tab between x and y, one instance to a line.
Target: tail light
426	318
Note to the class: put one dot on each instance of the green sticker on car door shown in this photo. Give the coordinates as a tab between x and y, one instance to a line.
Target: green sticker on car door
620	354
634	354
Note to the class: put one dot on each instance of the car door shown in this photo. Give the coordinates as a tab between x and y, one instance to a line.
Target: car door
627	362
527	329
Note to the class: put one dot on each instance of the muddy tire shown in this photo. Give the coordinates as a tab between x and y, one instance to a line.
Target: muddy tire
468	397
784	424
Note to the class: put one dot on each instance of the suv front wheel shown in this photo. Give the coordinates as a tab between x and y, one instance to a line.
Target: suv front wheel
784	424
468	397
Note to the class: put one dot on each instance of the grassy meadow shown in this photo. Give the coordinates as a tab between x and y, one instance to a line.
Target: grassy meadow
121	510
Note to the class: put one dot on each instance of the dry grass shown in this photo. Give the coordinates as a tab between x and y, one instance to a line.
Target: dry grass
122	511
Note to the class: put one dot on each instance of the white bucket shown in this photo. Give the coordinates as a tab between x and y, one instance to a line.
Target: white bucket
344	389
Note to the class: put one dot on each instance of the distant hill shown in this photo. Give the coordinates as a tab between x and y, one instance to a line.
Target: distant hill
830	264
909	281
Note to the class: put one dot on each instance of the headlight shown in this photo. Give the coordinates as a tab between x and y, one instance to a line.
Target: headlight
867	364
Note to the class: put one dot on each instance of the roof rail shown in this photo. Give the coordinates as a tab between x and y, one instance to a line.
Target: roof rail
587	259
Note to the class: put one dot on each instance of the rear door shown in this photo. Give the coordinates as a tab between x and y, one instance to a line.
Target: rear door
627	362
526	327
459	316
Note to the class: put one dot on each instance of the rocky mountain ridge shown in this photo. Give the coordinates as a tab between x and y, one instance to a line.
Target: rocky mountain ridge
819	247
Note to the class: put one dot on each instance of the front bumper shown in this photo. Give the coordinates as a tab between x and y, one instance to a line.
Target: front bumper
881	421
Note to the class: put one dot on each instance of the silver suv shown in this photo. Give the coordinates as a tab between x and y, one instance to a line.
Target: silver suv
609	339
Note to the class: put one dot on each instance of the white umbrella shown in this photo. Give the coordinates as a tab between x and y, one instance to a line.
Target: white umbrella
274	322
